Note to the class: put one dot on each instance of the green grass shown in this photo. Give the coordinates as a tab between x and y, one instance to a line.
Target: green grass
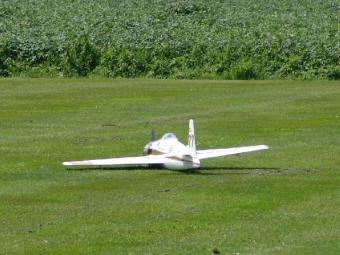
282	201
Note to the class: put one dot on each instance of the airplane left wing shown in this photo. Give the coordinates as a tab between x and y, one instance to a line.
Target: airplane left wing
111	162
203	154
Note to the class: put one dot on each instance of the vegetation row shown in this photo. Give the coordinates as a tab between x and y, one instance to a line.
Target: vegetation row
170	39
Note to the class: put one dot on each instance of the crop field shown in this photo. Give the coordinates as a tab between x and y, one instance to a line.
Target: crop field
192	39
285	200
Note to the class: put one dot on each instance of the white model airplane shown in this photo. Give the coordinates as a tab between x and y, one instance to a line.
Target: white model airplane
166	152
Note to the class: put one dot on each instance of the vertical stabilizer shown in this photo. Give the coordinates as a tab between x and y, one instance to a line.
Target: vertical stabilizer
191	139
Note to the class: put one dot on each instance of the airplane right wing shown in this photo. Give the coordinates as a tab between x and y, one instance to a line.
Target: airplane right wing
112	162
204	154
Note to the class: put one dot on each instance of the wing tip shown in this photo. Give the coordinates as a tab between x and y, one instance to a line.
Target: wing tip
78	165
68	165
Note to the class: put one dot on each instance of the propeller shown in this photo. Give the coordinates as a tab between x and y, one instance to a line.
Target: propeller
152	135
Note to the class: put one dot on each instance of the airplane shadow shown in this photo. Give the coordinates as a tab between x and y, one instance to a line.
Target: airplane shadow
209	170
227	170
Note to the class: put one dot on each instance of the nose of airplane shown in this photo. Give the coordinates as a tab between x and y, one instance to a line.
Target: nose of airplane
147	149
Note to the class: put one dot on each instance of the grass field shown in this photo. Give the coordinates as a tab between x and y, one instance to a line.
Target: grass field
282	201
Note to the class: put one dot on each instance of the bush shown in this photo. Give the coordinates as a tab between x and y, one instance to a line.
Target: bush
80	58
333	73
3	65
244	70
125	62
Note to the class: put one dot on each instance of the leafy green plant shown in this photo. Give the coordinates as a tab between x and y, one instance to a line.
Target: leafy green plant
186	39
244	70
333	73
80	58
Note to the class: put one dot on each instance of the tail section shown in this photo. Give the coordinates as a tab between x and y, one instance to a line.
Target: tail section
191	139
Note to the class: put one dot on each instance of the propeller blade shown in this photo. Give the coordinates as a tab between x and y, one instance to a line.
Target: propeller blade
152	135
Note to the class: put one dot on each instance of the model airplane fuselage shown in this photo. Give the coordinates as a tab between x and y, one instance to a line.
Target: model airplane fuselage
166	152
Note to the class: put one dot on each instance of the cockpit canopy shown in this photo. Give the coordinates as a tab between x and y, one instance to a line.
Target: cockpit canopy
169	136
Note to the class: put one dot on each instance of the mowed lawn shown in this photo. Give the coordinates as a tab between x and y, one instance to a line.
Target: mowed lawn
285	200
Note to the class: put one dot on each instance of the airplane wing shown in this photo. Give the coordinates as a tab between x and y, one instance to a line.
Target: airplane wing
111	162
203	154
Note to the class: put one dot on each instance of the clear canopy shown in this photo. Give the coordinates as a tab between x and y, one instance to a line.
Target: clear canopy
169	136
